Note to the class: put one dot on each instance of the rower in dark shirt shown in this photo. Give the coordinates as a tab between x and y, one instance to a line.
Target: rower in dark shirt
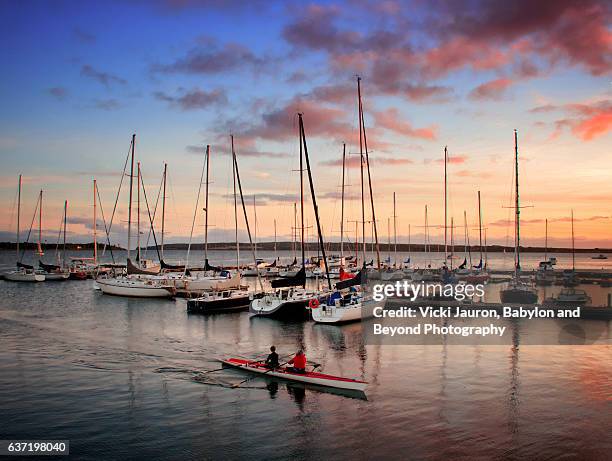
272	360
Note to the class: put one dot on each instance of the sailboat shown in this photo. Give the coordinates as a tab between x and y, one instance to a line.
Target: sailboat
57	272
517	292
392	272
132	285
24	272
570	277
224	300
194	281
545	275
290	296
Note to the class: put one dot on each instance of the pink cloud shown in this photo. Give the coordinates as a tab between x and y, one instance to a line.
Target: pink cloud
493	89
389	119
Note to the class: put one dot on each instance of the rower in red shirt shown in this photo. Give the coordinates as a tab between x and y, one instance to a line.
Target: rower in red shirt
299	363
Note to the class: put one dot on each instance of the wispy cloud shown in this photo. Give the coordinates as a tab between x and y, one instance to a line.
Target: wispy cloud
105	78
193	99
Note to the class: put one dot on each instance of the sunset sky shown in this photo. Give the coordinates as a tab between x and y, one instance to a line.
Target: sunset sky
78	78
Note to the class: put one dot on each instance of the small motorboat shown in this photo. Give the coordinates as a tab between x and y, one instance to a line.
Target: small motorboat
599	256
570	297
309	377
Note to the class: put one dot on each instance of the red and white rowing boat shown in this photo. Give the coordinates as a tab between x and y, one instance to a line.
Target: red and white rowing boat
312	377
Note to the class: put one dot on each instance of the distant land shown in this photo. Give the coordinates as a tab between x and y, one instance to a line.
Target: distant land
312	246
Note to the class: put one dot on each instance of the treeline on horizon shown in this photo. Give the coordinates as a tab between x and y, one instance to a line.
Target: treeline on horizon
349	248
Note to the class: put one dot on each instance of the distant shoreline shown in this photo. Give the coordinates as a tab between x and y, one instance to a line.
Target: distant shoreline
312	246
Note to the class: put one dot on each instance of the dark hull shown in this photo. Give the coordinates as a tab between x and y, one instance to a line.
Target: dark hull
290	310
513	296
195	306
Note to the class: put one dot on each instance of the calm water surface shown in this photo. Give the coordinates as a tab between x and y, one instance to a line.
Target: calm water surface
122	378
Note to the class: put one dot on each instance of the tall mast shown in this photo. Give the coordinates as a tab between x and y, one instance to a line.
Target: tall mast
573	249
409	246
275	251
517	213
295	229
452	242
361	163
130	199
163	220
389	239
394	233
138	213
342	207
480	229
255	230
206	205
246	218
235	206
314	201
300	136
95	223
445	205
367	158
65	222
465	235
18	212
40	200
40	251
546	239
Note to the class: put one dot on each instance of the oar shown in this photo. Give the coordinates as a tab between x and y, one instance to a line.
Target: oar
255	376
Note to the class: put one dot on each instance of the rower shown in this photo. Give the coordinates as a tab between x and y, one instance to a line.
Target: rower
299	363
272	360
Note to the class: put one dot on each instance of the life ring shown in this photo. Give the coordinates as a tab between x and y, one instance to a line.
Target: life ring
313	303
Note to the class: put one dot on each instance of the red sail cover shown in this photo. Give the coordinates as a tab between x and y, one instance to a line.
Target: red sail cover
345	275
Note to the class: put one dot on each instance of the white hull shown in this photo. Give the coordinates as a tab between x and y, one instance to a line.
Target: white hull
333	314
207	283
21	276
134	288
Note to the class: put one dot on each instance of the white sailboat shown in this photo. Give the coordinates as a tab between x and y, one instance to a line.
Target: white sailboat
24	272
518	291
290	296
130	285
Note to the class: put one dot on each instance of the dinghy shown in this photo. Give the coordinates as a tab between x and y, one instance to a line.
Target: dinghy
312	377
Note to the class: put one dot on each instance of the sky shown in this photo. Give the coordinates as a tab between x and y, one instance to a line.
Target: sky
79	78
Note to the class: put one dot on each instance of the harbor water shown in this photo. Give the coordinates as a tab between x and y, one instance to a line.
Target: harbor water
125	379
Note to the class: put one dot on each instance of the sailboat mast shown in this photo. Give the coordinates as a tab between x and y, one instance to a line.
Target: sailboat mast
206	205
163	220
295	229
246	218
95	223
367	158
452	242
573	249
445	205
255	230
130	199
18	212
361	163
389	239
342	206
40	250
465	236
314	201
517	213
480	228
546	239
394	233
275	251
138	213
300	136
65	222
235	207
